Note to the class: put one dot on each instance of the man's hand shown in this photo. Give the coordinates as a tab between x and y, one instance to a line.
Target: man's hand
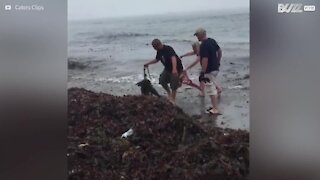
202	78
175	72
183	74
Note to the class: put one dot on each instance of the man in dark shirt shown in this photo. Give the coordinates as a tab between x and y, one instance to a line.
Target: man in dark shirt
210	57
172	68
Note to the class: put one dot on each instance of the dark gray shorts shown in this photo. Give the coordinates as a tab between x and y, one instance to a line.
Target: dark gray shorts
167	78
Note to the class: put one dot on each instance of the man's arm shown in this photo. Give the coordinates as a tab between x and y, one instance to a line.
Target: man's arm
151	62
204	64
219	55
174	65
204	52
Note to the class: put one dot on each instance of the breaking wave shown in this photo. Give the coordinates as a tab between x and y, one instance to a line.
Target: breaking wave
178	40
77	65
121	35
84	63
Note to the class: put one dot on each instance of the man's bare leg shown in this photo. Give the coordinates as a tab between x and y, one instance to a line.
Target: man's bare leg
166	87
174	94
214	102
212	91
202	86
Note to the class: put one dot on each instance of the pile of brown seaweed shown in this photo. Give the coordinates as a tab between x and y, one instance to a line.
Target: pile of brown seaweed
165	144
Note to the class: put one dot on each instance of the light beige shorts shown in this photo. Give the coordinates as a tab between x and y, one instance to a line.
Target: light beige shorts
211	87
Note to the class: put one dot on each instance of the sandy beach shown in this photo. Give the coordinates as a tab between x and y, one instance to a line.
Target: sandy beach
108	56
234	101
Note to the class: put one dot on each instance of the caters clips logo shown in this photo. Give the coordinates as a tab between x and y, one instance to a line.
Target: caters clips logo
295	8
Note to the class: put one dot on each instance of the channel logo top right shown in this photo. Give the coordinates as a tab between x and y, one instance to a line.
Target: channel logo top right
295	8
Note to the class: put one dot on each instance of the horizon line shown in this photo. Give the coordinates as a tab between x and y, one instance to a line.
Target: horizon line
162	14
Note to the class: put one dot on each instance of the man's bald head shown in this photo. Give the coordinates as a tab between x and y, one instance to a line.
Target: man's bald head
156	43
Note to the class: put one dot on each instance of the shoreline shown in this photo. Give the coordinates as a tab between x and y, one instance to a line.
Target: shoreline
234	78
235	111
234	101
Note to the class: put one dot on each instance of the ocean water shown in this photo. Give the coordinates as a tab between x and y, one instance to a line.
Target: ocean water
114	50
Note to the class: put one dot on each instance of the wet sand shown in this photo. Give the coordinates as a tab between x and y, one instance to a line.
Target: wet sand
234	101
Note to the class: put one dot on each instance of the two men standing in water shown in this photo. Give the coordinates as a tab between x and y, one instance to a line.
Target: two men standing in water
208	54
